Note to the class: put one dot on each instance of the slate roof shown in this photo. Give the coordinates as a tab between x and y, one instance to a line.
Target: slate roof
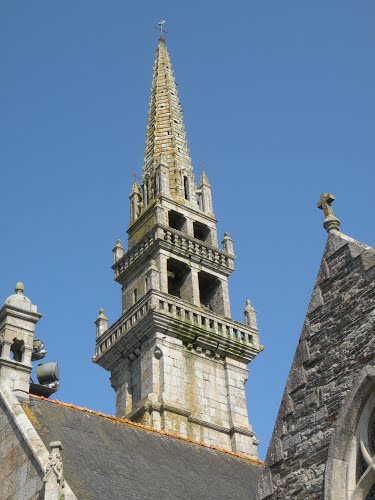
108	458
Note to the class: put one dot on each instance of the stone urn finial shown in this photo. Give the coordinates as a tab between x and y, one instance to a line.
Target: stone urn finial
102	314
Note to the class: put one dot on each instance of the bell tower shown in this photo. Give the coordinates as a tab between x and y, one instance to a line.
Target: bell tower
178	361
18	317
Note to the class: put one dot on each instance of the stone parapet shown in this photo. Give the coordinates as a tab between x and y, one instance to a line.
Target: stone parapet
209	255
198	328
181	244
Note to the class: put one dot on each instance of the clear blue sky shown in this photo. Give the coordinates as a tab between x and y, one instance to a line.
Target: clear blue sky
279	106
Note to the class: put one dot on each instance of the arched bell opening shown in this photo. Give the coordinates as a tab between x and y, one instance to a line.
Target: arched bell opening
17	350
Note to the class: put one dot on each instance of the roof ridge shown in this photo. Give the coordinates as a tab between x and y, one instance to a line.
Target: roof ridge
147	428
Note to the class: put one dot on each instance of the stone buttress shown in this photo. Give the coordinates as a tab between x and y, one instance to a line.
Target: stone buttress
177	358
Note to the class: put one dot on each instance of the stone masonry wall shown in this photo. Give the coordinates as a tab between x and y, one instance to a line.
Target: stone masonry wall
138	282
20	477
337	341
196	386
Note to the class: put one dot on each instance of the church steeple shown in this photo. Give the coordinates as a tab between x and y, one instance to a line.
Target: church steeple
166	135
177	358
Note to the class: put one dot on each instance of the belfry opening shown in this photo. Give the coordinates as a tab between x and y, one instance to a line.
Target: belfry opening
179	277
210	292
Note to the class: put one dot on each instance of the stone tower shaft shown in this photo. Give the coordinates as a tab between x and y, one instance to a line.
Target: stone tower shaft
177	358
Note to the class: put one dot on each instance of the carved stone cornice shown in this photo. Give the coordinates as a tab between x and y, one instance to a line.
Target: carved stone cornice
15	312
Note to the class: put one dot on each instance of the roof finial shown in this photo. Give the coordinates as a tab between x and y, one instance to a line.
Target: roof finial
19	287
159	27
102	314
331	222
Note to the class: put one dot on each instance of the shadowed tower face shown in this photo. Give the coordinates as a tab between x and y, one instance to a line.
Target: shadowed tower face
177	358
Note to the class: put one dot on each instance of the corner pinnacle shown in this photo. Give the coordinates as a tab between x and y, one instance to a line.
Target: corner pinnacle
102	314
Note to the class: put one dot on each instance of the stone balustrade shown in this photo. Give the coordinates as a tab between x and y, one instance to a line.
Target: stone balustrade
134	252
197	247
165	304
178	240
122	325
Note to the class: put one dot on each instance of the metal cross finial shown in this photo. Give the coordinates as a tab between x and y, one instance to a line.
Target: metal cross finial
136	177
159	27
325	204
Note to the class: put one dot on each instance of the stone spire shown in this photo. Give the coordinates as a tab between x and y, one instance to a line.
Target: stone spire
166	136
